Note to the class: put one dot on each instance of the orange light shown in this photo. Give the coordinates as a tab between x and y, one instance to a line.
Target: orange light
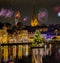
34	22
17	15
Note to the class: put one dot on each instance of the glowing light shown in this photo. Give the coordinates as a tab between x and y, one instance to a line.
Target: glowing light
58	14
34	22
47	37
25	19
17	14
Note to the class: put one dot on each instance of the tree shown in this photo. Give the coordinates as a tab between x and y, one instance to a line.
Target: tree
37	38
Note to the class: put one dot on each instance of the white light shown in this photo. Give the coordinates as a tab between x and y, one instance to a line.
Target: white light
58	14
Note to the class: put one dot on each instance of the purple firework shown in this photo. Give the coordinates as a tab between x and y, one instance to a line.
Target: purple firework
25	18
42	15
9	13
3	12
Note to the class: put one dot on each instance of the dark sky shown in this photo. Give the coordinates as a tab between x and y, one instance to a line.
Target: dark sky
26	9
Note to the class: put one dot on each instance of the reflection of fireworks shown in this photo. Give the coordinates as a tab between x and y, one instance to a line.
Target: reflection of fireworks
42	15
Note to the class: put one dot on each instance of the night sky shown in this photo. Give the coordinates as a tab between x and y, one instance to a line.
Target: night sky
26	9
